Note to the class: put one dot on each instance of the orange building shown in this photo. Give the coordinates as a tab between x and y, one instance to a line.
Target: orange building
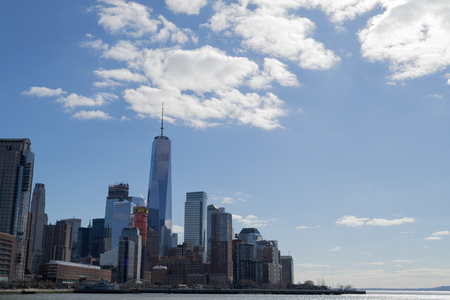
140	214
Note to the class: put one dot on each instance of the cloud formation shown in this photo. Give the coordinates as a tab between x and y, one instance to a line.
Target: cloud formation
353	221
250	221
43	92
92	115
74	100
191	7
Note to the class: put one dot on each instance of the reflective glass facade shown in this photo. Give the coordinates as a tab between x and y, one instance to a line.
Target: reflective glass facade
160	193
122	218
195	218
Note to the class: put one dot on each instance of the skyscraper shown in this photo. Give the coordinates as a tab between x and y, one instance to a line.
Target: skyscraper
75	223
116	193
122	218
57	242
195	218
16	176
287	271
38	208
210	210
160	192
221	248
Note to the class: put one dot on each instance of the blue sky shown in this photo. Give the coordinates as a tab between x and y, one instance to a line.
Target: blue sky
322	123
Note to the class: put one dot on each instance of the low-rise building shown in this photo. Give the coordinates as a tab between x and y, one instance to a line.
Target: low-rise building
62	271
7	254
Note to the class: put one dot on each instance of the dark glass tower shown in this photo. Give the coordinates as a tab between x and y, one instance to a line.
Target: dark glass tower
160	192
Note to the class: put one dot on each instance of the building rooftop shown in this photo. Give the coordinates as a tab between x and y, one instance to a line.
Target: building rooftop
249	230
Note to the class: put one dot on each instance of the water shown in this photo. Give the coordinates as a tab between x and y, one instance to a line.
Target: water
369	296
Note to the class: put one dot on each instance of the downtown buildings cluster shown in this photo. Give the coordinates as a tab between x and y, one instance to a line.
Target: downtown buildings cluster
134	241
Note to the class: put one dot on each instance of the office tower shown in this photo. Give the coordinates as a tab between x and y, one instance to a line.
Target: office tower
97	238
129	260
75	223
287	271
195	218
250	236
38	208
174	239
122	218
151	252
30	234
83	240
140	221
243	263
57	242
221	248
16	176
160	192
210	210
268	253
116	193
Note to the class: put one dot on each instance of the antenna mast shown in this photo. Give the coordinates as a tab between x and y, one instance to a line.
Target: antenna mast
162	119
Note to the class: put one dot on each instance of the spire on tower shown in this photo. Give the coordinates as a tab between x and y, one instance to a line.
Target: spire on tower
162	119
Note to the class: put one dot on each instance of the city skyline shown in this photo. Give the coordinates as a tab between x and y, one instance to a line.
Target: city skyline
321	123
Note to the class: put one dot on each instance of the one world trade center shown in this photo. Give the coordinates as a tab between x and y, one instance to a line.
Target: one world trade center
160	192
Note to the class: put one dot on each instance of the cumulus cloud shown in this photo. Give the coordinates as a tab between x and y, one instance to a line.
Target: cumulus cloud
433	238
250	221
437	96
309	265
335	249
189	7
271	30
177	229
173	33
353	221
273	70
43	92
411	35
91	115
438	233
121	74
74	100
129	18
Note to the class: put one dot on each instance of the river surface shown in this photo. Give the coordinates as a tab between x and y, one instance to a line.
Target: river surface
378	295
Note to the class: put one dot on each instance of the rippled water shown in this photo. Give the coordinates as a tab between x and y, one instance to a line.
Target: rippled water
369	296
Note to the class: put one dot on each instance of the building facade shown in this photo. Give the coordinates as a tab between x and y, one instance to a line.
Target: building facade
38	208
160	192
209	211
195	218
75	223
7	254
122	218
16	176
116	193
63	271
221	248
287	271
57	242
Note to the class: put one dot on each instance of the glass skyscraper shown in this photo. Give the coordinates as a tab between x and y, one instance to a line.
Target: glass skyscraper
160	193
195	218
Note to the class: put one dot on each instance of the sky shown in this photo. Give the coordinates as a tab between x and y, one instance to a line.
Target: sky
322	123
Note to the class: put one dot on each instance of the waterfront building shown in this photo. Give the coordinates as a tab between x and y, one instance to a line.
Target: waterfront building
210	210
122	218
195	218
75	223
140	215
129	260
151	252
221	248
250	236
160	192
63	271
98	237
84	237
244	266
38	209
16	176
287	271
57	242
7	255
116	193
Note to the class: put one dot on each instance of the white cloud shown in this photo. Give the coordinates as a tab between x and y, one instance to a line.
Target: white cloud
373	263
123	118
177	229
74	100
411	35
306	227
129	18
106	83
352	221
437	96
94	44
250	221
121	74
190	7
91	115
309	265
43	92
273	70
228	200
445	232
433	238
270	30
402	261
335	249
173	33
125	51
